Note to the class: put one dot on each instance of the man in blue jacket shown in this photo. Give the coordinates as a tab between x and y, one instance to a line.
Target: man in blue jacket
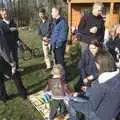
59	36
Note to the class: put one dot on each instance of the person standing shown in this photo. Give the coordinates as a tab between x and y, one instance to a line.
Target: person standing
7	61
12	35
59	36
5	57
92	26
44	31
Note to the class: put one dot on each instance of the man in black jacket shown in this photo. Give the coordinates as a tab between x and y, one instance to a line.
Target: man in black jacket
92	26
6	60
11	35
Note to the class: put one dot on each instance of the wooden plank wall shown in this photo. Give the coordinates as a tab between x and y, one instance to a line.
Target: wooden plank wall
77	11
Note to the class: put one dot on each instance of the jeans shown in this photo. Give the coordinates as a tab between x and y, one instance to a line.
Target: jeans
77	104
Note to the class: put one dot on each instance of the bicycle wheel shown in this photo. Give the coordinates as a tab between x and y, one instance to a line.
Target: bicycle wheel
36	52
26	55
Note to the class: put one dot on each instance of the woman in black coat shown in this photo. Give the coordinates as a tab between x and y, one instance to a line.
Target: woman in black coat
11	35
6	58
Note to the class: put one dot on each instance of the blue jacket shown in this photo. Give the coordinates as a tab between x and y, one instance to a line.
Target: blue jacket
59	33
105	98
87	65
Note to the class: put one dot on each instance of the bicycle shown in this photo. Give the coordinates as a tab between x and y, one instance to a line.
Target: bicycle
25	52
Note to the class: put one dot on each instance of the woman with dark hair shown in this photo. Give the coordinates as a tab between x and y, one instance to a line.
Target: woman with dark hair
87	67
103	102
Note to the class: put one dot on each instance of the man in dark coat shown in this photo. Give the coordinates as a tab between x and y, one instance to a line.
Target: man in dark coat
6	58
11	34
92	26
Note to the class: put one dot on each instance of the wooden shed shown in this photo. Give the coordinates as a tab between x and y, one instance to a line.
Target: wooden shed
76	9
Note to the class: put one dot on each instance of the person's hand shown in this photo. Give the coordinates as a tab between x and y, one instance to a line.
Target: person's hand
85	81
45	38
117	64
93	30
90	77
84	88
75	94
46	41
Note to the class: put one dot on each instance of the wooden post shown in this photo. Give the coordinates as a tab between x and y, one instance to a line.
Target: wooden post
69	21
111	12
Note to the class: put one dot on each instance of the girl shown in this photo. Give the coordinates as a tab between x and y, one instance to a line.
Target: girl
87	67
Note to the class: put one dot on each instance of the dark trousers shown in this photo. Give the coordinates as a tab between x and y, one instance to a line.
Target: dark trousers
59	55
18	82
3	92
14	50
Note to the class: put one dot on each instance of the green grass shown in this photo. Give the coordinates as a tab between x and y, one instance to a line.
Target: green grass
34	78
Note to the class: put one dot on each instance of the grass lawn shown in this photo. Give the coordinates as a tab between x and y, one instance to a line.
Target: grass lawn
34	77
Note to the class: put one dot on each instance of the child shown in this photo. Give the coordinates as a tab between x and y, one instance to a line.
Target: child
57	89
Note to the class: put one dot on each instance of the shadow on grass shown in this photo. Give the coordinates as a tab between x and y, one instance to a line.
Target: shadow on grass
32	68
72	71
40	85
72	65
